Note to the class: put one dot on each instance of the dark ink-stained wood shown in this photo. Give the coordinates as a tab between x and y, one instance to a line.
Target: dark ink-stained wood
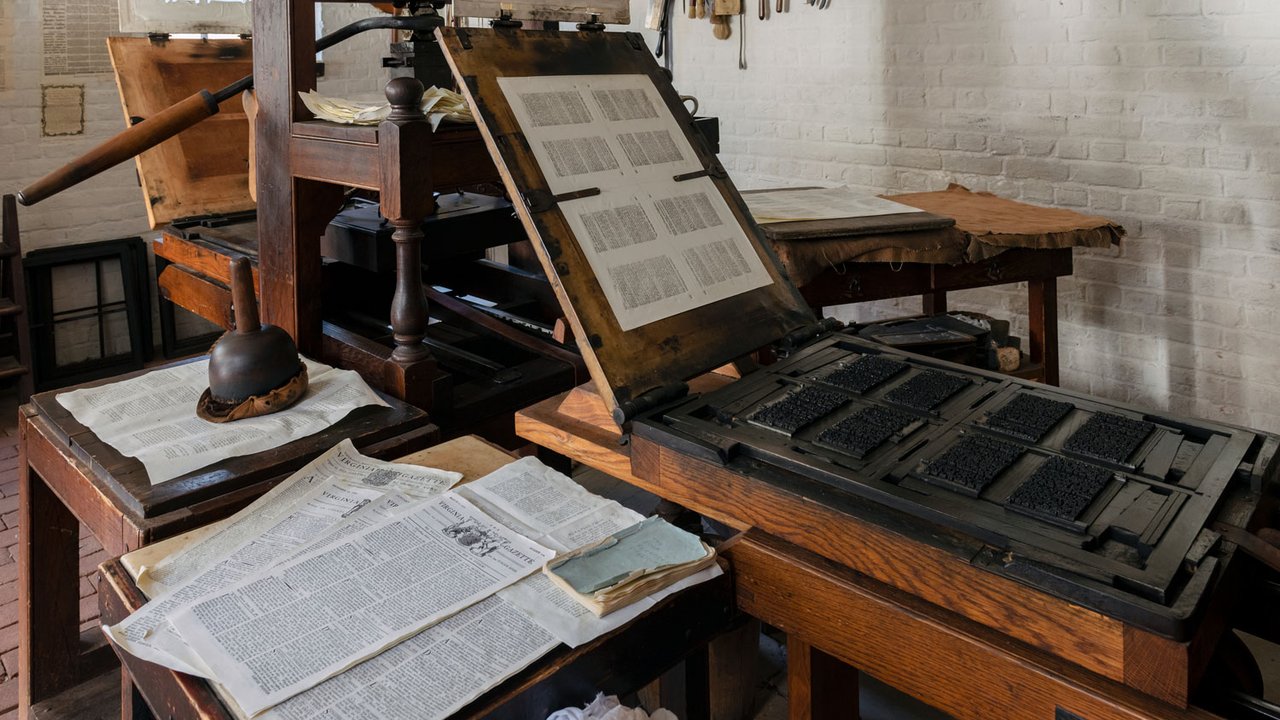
658	354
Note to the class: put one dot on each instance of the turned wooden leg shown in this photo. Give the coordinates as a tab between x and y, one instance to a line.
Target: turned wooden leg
409	314
404	151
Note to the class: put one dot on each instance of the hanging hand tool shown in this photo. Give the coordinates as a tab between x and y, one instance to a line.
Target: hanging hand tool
742	40
721	11
178	117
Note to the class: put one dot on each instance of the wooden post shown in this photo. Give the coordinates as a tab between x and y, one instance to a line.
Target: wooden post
288	260
48	588
1042	304
819	687
404	142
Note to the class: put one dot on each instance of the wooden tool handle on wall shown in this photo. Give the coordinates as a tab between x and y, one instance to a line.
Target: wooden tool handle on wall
137	139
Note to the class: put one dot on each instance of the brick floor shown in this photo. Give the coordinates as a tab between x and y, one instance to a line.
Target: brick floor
91	554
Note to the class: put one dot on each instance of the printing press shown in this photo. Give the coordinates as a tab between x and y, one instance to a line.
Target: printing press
1086	531
489	340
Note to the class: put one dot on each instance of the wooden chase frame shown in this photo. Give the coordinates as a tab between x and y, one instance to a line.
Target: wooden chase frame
646	365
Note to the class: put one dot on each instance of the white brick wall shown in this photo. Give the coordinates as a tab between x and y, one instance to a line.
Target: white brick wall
108	206
1159	114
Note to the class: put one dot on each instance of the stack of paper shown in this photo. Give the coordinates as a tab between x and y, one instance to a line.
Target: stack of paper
629	565
364	589
792	205
438	104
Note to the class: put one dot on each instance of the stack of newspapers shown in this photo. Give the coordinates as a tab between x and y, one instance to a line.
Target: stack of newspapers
364	589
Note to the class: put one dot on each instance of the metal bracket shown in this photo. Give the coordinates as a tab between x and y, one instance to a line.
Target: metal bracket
636	41
797	339
715	170
664	395
504	21
540	201
592	25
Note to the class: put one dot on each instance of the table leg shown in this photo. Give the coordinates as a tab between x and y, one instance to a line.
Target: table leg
1042	303
819	687
731	667
48	591
934	303
132	705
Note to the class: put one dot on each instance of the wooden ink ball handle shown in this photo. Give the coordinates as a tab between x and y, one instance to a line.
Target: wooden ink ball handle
243	299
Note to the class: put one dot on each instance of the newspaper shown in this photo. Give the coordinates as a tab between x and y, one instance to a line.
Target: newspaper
341	483
658	246
773	206
152	417
342	463
281	632
432	674
557	512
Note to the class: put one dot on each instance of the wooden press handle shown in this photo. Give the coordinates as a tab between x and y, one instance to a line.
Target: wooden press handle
137	139
243	300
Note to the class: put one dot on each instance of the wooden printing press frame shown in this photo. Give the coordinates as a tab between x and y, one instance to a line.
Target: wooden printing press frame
483	367
641	375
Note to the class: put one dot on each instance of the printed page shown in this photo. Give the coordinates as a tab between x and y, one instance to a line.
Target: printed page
819	204
598	131
147	633
657	246
660	249
559	513
432	674
153	417
340	464
281	632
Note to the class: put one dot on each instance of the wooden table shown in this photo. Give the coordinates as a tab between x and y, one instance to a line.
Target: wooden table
834	581
68	477
857	282
621	662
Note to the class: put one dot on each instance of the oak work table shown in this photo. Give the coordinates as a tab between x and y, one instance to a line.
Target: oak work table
854	590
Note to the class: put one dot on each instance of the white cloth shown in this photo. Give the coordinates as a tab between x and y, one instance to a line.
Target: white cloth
609	708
